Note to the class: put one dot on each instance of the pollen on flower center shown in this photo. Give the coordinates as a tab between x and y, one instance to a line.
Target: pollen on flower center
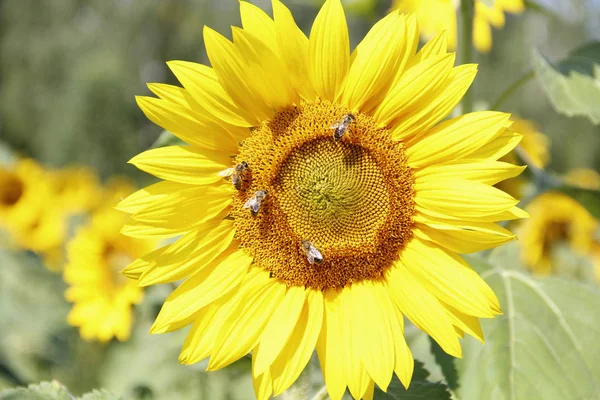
333	194
352	199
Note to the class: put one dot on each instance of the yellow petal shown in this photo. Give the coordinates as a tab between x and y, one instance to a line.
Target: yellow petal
372	307
292	46
375	61
241	332
229	64
170	93
329	51
294	356
422	308
455	199
370	391
456	138
465	323
499	146
192	252
183	164
263	384
435	47
279	328
464	237
203	288
330	348
187	125
258	23
358	378
405	363
137	267
203	85
414	84
185	209
438	106
260	62
410	43
207	322
488	171
144	197
450	279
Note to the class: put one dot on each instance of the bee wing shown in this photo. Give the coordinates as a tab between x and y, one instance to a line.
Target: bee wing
336	125
251	201
226	172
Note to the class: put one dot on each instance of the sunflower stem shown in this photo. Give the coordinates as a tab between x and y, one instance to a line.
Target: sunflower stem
511	89
467	11
321	394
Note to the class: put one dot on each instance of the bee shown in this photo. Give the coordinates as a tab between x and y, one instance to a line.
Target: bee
313	255
236	174
341	126
255	201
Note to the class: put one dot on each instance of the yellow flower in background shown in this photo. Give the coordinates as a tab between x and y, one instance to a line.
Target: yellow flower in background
555	218
488	14
19	199
321	200
102	297
77	189
583	177
28	211
436	16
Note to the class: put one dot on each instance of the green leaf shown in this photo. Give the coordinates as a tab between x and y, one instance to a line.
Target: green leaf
543	347
166	138
42	391
446	363
52	391
573	84
588	198
420	388
100	395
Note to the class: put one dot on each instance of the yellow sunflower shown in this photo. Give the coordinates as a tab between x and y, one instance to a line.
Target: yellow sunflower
102	296
28	211
436	16
555	218
76	188
321	200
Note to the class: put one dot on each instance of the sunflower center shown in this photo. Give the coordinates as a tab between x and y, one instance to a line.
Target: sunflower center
349	200
333	193
116	261
11	190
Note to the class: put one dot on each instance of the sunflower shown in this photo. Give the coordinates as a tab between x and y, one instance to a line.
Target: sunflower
76	188
28	211
555	219
319	206
102	296
436	16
